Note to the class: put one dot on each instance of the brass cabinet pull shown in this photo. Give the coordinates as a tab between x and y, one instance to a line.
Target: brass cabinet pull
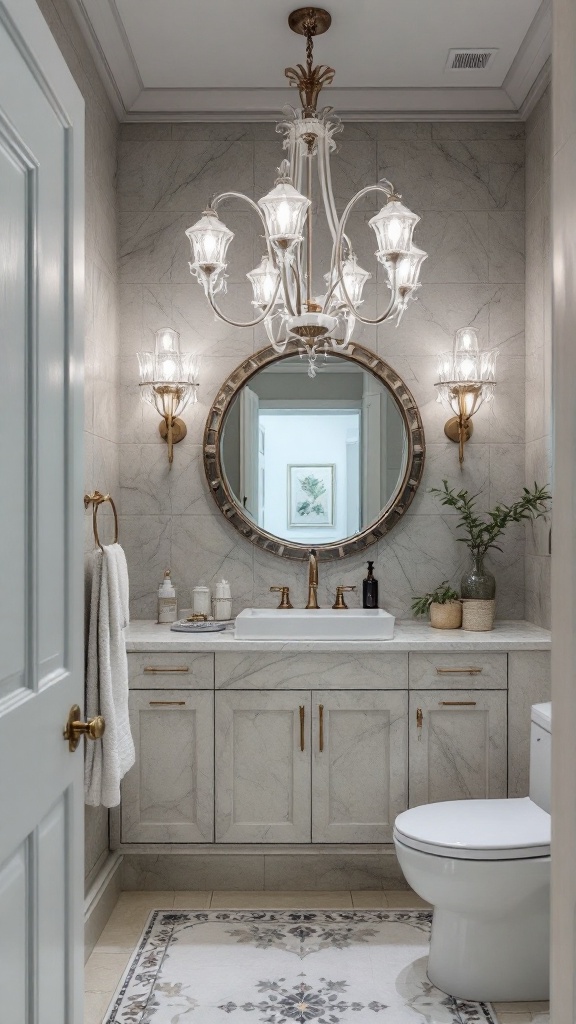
471	671
170	668
419	721
321	727
167	703
74	729
302	712
457	703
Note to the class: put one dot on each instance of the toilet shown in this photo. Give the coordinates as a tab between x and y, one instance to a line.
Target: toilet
484	865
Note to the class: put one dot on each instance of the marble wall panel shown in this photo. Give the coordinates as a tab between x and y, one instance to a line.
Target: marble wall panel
467	183
529	683
538	415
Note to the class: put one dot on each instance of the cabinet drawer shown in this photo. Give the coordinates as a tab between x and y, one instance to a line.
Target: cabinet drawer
308	670
466	671
167	671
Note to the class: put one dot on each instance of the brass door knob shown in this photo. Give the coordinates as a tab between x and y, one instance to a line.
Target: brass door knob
93	729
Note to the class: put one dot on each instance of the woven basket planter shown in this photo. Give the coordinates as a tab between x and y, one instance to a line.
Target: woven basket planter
446	616
478	616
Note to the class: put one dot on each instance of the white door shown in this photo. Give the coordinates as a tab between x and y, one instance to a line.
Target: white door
360	764
263	766
458	741
41	511
168	796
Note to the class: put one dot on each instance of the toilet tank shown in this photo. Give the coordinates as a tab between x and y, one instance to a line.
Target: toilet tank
541	755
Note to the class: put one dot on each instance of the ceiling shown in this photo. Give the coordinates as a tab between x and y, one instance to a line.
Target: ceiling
225	59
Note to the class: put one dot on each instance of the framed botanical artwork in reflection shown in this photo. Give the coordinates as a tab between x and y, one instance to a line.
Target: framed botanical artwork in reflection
311	495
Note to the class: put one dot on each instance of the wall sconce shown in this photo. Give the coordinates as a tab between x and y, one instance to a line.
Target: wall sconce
465	382
168	381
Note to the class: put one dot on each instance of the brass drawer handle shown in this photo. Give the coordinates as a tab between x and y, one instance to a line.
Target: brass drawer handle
321	727
302	712
419	722
457	703
458	671
170	668
167	703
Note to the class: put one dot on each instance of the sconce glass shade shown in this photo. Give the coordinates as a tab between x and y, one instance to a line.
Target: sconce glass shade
393	226
264	279
284	210
466	379
354	278
168	379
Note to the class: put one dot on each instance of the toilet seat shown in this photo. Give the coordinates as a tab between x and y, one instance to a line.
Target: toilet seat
512	829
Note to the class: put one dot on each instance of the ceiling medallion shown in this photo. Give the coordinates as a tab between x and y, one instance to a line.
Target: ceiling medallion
283	282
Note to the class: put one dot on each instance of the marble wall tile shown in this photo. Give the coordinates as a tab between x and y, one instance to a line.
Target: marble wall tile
186	872
456	175
334	871
146	540
466	180
528	683
538	315
182	175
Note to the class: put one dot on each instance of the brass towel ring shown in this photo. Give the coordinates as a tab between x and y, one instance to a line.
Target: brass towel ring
96	499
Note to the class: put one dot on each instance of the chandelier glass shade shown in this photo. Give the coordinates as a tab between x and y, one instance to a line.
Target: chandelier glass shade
295	308
466	379
168	381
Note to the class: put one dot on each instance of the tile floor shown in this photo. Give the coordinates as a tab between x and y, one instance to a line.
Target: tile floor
112	952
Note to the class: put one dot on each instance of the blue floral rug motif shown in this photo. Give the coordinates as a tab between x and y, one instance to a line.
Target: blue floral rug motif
286	967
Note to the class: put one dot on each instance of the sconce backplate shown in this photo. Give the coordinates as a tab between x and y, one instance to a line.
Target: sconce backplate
452	429
179	430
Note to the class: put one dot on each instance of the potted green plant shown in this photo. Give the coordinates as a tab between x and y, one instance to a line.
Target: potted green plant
443	605
482	531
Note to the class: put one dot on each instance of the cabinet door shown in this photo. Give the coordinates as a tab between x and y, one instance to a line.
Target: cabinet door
359	766
459	750
168	796
263	767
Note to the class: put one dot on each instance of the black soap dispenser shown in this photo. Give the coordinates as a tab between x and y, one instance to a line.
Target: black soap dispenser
370	589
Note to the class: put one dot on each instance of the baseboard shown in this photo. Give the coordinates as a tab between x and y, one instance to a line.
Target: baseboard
101	900
283	869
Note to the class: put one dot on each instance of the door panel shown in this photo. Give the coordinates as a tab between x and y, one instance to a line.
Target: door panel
41	605
262	772
460	750
359	778
168	796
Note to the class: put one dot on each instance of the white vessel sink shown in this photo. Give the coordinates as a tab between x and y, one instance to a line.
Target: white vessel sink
314	624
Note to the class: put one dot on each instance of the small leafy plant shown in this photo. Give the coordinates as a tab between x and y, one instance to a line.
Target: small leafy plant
482	531
444	594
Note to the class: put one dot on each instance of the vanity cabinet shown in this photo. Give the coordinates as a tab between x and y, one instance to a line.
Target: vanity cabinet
262	766
299	766
458	745
359	765
168	796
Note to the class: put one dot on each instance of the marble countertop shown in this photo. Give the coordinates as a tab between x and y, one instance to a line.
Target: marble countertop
145	635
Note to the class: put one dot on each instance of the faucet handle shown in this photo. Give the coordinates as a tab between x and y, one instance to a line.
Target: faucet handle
285	599
340	602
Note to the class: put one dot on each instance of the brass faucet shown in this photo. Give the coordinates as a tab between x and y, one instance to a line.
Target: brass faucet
285	599
313	580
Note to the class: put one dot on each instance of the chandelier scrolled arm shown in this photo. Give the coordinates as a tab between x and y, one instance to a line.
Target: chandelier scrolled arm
337	261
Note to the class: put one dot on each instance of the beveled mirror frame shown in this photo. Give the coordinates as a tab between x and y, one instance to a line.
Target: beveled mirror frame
224	497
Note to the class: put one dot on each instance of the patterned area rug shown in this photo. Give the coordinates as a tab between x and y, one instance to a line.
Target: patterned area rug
284	966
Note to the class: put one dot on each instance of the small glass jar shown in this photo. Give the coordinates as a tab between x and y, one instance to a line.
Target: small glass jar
201	601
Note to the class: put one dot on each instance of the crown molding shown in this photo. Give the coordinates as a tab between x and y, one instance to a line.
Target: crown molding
106	37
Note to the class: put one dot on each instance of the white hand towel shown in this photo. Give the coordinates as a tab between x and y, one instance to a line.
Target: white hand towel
108	759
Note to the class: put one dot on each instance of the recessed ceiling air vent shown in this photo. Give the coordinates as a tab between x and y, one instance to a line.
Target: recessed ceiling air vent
470	60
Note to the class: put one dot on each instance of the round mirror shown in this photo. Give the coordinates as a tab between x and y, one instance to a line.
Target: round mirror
329	462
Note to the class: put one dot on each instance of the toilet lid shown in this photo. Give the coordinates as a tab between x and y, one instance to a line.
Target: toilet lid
477	829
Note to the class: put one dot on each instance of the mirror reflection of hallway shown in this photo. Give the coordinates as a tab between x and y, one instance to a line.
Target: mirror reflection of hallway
314	460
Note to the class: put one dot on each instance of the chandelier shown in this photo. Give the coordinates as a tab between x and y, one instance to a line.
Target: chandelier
283	285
